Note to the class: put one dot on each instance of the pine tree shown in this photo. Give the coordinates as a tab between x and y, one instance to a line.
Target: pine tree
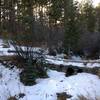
89	16
55	11
97	10
70	25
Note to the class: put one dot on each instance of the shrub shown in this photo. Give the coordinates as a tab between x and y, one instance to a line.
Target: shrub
34	63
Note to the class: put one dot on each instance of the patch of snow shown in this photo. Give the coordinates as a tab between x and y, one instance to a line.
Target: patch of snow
55	61
76	58
61	62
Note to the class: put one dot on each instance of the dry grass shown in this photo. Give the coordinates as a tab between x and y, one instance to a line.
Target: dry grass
87	98
12	98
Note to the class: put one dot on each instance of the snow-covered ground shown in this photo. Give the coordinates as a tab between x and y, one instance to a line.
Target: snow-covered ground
46	89
74	62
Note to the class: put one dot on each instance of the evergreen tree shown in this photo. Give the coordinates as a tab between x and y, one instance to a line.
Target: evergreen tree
89	16
55	11
70	25
97	10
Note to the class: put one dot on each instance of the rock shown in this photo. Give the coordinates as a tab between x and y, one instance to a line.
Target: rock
69	72
52	52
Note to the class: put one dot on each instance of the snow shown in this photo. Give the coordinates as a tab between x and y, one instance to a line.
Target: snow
46	89
4	51
76	58
60	61
81	84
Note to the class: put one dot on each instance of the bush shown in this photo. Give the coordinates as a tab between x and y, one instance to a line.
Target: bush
34	63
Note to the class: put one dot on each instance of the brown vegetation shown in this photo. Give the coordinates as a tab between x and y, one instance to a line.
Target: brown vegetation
87	98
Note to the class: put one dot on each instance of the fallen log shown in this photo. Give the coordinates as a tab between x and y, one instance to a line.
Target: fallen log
7	58
14	51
